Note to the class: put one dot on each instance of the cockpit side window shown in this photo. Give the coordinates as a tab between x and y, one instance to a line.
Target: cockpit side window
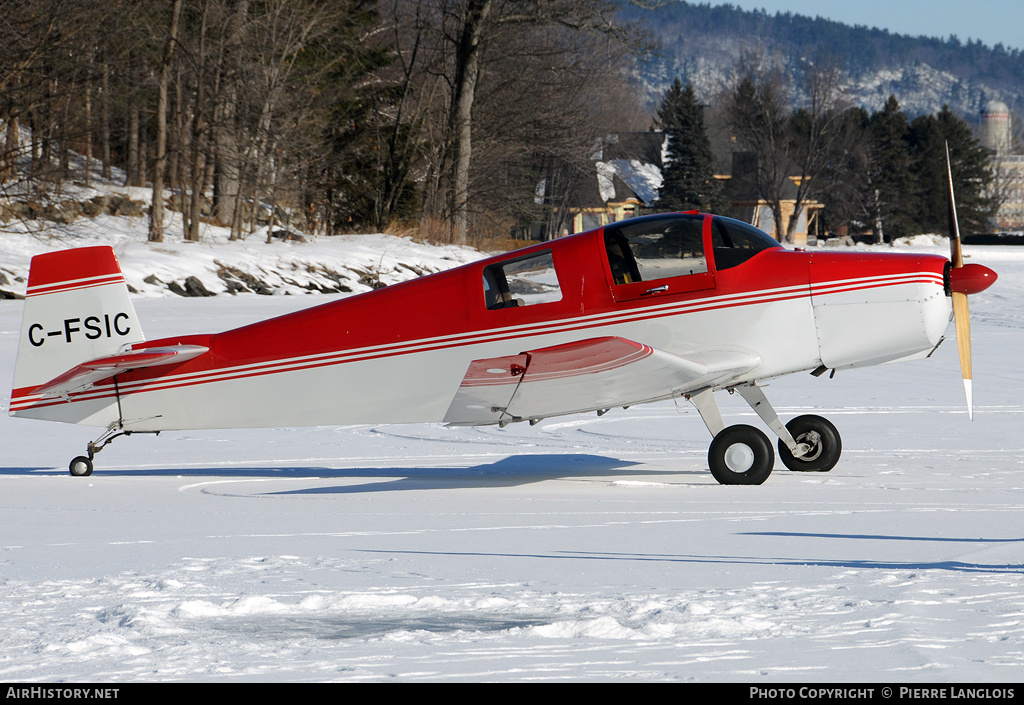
620	258
523	281
656	248
735	242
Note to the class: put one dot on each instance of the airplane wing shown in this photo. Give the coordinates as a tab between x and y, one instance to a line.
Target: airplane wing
597	373
83	376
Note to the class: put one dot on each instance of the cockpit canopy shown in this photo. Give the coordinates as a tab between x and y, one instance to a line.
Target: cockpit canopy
664	246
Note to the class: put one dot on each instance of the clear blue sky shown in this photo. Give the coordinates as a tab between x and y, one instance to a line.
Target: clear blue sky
991	21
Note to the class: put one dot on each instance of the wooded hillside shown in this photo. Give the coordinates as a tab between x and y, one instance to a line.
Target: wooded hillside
701	42
363	115
339	114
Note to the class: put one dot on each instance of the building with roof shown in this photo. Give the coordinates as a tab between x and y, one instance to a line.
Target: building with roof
623	176
620	180
746	203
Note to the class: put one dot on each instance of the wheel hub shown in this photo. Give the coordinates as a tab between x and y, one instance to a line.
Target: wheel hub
739	457
812	442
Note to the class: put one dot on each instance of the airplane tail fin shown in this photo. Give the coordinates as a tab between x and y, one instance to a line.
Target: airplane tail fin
76	309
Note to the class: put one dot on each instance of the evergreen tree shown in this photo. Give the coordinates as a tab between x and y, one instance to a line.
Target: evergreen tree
688	175
892	191
361	178
972	173
972	176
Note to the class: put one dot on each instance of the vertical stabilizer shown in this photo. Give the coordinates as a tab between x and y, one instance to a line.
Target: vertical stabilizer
76	309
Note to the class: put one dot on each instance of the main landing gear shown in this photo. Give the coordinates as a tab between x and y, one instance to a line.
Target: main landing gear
743	455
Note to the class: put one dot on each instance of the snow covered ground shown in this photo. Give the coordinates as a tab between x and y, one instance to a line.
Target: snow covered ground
584	548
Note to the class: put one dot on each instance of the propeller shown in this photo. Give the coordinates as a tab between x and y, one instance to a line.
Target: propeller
963	280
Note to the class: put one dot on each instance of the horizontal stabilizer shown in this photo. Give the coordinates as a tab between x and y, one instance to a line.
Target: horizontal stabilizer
86	374
597	373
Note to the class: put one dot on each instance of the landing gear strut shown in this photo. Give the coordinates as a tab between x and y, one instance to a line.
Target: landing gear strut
743	455
82	466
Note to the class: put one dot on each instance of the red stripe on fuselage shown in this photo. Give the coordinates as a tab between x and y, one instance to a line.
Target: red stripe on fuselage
136	382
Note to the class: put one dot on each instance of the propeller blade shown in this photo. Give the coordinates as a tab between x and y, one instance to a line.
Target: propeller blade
956	255
961	312
962	321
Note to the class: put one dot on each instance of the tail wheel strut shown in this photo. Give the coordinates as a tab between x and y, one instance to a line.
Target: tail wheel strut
82	465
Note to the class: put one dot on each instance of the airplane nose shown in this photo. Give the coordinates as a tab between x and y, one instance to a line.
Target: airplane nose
971	278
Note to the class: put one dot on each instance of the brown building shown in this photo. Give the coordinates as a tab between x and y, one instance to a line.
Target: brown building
741	190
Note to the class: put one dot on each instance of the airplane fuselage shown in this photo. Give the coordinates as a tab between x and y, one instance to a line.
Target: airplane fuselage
400	354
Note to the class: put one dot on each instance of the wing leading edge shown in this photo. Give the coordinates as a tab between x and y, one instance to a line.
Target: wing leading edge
597	373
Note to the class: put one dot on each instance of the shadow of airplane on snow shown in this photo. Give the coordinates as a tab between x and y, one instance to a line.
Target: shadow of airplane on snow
506	472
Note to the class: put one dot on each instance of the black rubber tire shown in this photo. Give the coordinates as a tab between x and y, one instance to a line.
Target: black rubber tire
820	432
741	455
80	467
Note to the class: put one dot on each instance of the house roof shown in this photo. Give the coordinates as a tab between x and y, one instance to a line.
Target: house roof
627	165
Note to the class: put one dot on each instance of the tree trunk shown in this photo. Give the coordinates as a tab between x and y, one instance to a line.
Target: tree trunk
105	120
236	219
226	149
12	146
143	152
132	172
156	213
34	147
88	134
467	71
198	182
181	136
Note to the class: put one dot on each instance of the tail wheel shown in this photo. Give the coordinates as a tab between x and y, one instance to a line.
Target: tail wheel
741	455
80	466
821	436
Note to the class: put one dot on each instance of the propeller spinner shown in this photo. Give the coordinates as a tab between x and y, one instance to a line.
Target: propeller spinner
962	281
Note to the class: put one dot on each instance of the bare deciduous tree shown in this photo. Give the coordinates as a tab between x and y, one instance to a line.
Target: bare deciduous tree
792	148
472	28
360	111
156	212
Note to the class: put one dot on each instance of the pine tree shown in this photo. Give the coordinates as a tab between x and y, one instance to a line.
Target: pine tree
972	176
891	189
972	173
688	176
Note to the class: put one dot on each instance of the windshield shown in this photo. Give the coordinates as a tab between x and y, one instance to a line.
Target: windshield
735	242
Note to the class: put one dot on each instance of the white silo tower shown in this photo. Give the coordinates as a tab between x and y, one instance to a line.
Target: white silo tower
995	127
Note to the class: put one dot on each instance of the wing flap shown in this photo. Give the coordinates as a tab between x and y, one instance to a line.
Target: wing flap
597	373
86	374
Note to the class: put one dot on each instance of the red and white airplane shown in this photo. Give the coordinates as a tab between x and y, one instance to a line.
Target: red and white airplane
651	308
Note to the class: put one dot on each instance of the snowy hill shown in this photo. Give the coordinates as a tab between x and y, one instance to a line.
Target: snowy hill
702	43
